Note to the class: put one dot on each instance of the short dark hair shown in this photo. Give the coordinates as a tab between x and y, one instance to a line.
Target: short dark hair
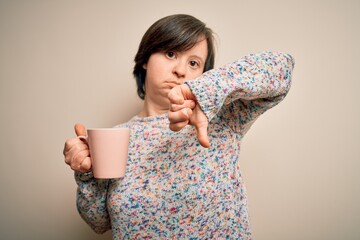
178	32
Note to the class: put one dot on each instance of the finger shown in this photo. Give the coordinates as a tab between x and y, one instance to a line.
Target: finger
67	146
84	139
175	96
69	143
186	92
74	150
180	116
78	159
203	135
85	165
178	126
187	104
74	145
80	129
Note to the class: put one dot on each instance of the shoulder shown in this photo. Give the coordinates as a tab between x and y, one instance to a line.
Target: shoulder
127	124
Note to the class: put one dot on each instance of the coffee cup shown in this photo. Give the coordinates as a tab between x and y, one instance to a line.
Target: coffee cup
108	151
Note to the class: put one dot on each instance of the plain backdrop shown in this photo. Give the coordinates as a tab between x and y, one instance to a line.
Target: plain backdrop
63	62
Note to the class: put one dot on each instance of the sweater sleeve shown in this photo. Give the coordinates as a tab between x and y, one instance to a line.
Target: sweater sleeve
91	201
241	91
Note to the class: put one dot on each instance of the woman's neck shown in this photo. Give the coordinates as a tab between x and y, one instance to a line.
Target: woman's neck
152	109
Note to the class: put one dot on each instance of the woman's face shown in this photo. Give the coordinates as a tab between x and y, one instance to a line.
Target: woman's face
165	70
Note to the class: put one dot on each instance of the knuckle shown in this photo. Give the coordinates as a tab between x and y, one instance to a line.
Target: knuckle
171	95
70	143
171	117
173	128
74	167
86	164
67	160
173	107
190	104
184	114
67	145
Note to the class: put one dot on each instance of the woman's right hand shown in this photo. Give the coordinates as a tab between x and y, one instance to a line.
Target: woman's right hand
76	151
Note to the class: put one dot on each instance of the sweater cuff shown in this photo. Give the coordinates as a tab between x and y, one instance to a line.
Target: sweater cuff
83	176
208	94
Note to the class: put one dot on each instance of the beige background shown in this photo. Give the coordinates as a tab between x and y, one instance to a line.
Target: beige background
67	61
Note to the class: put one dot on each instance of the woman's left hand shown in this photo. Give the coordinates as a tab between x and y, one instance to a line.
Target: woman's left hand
185	110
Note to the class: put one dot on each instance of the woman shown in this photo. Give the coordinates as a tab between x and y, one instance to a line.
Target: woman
182	179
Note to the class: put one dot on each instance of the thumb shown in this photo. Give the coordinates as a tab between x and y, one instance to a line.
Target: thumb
202	134
80	129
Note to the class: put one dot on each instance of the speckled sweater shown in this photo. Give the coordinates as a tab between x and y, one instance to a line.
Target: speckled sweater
173	187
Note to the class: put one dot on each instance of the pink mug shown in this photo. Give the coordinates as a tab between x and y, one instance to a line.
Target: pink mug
108	151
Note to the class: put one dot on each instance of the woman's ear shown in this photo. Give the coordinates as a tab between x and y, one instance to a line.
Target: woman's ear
144	66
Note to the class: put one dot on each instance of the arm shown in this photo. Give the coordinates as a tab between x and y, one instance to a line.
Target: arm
91	201
243	90
91	193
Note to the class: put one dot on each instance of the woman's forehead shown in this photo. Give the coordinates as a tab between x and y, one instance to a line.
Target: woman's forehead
200	49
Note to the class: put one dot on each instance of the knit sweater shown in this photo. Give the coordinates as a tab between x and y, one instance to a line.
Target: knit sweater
173	187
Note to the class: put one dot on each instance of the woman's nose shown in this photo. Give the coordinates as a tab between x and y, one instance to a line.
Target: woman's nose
180	69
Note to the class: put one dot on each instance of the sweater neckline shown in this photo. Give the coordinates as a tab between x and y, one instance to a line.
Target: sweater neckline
161	117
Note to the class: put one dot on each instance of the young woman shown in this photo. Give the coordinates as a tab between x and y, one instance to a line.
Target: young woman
183	179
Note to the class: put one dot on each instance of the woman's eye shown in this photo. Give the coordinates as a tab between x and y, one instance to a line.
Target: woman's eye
194	63
170	54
